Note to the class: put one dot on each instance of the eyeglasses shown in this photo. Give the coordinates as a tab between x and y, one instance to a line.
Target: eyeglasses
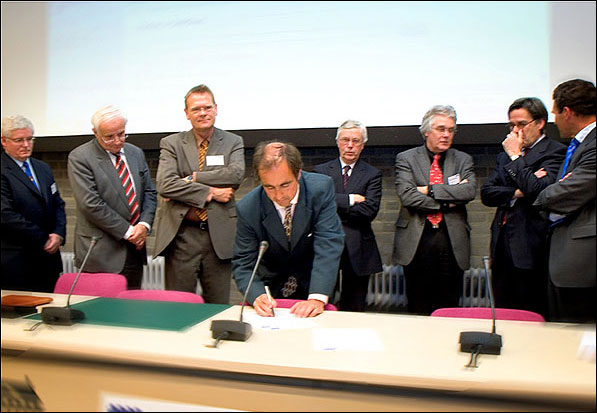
20	141
113	137
206	109
443	129
345	141
520	125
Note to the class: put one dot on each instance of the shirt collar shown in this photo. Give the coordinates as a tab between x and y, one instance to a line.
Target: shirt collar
580	136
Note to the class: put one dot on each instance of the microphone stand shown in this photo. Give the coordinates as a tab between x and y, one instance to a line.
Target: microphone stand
232	329
66	315
477	342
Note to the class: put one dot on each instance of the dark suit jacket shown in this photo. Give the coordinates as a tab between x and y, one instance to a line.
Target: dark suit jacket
29	216
412	170
356	220
102	207
572	248
312	256
525	229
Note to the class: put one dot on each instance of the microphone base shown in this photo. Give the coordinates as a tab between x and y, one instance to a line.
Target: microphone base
480	342
230	330
62	316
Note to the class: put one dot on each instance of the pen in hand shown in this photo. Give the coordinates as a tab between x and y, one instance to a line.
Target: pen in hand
269	296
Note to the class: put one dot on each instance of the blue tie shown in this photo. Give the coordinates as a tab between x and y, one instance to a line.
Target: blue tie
27	170
571	148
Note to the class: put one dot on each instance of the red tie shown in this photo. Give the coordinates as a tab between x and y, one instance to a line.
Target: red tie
129	191
435	177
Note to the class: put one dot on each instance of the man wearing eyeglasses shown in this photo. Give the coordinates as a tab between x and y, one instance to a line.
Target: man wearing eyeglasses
432	239
528	164
116	199
198	174
358	197
33	215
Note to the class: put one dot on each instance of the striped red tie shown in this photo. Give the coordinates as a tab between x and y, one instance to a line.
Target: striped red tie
129	190
435	177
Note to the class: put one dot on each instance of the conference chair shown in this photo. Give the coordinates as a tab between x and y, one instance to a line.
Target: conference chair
485	313
161	295
98	284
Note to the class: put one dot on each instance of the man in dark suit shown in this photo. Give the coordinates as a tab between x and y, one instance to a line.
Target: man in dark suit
198	174
358	197
570	202
294	211
529	163
33	216
432	239
116	199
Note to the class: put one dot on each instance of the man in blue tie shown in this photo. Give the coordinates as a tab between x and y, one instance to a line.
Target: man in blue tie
33	215
570	204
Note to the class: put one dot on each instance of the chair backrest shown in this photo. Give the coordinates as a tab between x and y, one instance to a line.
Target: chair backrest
485	313
161	295
99	284
287	303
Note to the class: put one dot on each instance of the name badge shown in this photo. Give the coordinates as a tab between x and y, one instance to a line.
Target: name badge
454	179
53	188
214	160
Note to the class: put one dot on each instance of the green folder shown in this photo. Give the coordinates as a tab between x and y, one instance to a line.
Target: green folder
157	315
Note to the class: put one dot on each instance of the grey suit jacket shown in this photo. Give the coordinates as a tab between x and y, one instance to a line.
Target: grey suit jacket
317	241
179	157
412	170
102	207
572	249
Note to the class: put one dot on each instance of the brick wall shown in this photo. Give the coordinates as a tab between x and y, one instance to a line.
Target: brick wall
380	156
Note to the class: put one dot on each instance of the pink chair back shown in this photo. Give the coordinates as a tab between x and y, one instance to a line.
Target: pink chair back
98	284
287	303
485	313
161	295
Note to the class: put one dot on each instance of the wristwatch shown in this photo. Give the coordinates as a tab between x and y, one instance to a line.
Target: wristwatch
189	178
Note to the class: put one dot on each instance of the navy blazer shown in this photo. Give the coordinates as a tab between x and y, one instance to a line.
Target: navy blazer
29	216
359	240
525	229
317	240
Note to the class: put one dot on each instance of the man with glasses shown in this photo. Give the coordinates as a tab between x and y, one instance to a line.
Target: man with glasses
432	239
198	173
358	196
570	205
529	164
33	215
116	199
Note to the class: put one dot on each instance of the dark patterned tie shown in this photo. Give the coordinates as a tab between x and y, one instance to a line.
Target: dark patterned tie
27	170
129	190
288	221
435	177
345	175
202	212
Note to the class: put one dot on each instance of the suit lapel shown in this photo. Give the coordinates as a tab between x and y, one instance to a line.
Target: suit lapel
577	153
335	172
189	148
302	214
19	174
423	163
104	161
357	175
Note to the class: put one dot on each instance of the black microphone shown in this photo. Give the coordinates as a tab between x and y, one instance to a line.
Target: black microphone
477	342
66	316
232	329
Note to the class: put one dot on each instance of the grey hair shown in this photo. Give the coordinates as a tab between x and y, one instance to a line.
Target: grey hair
444	110
106	113
14	122
353	124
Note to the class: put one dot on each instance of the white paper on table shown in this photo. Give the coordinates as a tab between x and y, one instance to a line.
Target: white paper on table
282	321
351	339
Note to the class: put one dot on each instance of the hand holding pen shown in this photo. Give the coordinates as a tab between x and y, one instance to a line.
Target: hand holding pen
271	300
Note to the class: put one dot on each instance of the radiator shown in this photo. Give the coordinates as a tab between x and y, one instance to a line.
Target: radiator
154	274
474	289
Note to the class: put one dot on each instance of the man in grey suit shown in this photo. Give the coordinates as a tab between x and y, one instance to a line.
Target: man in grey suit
432	239
116	199
570	202
198	173
295	212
